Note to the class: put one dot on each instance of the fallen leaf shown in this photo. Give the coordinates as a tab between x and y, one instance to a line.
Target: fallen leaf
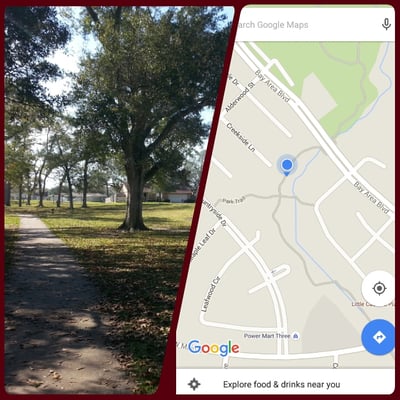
56	375
34	382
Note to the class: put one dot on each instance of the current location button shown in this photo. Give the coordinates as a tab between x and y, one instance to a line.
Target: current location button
378	288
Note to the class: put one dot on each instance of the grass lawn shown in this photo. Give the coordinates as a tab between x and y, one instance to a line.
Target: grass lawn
11	223
137	272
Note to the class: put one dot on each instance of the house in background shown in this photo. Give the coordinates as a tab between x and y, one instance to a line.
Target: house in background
78	197
96	197
149	194
178	196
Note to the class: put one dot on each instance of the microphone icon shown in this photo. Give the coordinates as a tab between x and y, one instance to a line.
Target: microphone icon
386	23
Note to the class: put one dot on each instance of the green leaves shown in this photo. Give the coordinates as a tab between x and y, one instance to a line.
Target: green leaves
156	64
31	35
157	68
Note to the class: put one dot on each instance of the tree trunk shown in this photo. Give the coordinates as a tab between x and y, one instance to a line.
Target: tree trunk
71	199
7	193
85	184
40	190
41	184
32	186
30	190
20	195
134	212
58	202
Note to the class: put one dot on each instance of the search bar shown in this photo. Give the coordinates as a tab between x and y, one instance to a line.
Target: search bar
322	24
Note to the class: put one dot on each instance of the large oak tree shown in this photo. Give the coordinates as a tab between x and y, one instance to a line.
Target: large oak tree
153	73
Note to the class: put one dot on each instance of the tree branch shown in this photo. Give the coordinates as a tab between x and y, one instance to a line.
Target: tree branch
173	119
152	171
92	13
117	18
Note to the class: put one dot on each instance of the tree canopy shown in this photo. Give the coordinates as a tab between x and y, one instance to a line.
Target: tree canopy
155	71
31	35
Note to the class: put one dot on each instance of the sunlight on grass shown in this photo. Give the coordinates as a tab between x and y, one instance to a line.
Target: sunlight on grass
138	273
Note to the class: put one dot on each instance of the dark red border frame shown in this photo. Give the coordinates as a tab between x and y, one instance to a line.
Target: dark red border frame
166	388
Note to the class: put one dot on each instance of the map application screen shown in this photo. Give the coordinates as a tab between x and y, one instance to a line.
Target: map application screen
290	288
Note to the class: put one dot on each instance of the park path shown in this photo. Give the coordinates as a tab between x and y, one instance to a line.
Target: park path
55	337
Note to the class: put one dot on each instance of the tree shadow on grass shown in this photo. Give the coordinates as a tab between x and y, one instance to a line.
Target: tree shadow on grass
139	277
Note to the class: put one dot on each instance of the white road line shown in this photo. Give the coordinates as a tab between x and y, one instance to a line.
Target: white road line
318	203
376	236
283	72
260	52
246	59
349	172
265	272
236	327
338	155
221	167
270	62
326	231
262	158
245	248
319	139
373	161
257	288
336	358
241	241
323	138
224	120
249	54
269	115
300	356
255	152
277	274
276	296
275	121
280	271
238	254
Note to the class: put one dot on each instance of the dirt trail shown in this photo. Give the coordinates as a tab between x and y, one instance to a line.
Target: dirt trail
55	339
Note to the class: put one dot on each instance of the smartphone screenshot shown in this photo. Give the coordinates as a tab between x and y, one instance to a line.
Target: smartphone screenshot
291	287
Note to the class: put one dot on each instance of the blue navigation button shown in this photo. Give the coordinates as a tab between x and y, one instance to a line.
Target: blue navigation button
378	337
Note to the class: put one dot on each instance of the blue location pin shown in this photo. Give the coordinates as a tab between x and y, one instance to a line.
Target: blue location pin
287	164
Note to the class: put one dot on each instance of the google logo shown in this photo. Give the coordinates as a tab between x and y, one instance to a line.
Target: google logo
223	349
